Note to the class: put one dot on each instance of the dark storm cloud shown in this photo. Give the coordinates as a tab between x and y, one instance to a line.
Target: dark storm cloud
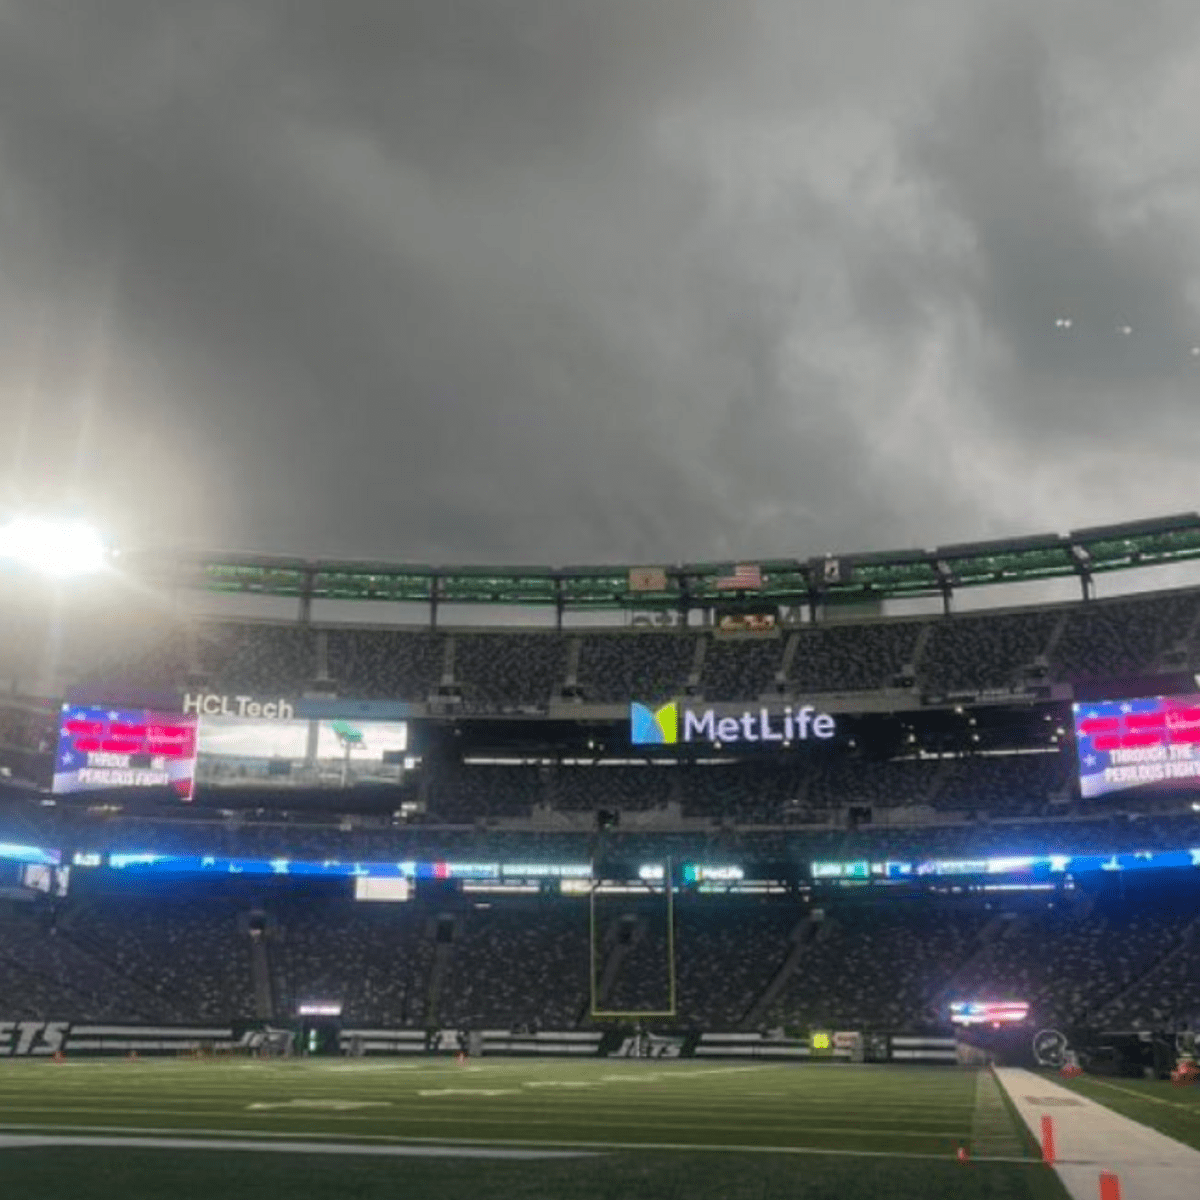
1045	254
554	280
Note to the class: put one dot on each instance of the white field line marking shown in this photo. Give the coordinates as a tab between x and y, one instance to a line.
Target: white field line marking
686	1147
532	1095
531	1100
365	1068
564	1102
658	1073
35	1141
690	1073
409	1085
331	1105
476	1118
468	1092
1194	1109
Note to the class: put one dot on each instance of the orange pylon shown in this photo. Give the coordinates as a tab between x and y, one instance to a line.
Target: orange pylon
1048	1139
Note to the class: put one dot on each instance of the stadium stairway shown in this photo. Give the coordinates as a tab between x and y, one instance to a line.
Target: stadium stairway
693	687
1182	946
98	959
790	649
443	952
999	928
60	965
802	937
1191	641
260	966
918	653
619	940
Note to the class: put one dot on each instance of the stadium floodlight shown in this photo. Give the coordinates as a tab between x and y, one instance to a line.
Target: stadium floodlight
61	548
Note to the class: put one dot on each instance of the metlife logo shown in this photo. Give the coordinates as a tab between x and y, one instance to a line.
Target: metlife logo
673	723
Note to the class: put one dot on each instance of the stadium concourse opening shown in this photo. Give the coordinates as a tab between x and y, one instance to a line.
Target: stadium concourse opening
333	893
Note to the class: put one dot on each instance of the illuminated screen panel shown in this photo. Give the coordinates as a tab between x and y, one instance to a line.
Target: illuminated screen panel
235	751
988	1012
19	879
51	881
369	888
1153	743
100	748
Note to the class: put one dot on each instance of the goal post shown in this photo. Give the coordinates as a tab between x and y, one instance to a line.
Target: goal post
633	1014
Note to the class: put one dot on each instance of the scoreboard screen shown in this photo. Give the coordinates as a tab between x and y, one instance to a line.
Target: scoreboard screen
102	748
988	1012
304	752
108	746
1153	742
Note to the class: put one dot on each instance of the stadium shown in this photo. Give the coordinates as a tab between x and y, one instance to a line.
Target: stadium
602	880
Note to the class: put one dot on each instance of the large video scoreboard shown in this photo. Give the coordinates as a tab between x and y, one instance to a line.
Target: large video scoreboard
110	747
229	740
1152	742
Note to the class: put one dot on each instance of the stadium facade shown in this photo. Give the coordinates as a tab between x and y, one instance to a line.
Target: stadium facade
761	826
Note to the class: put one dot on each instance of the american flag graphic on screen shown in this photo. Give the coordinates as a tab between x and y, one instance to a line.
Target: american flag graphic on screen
101	748
745	577
1151	742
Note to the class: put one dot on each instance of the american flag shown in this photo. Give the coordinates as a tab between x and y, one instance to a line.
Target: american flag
746	577
1143	724
983	1012
138	736
647	579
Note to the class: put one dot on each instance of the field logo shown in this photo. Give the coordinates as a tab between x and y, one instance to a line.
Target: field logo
654	727
1050	1048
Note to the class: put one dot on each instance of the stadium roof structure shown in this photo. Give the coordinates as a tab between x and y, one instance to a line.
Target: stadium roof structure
829	580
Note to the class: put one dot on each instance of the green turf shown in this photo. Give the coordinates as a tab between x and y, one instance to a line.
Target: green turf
698	1129
1172	1110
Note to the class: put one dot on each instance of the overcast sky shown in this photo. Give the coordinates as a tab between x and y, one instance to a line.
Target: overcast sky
558	281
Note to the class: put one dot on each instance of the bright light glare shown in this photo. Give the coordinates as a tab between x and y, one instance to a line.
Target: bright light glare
59	548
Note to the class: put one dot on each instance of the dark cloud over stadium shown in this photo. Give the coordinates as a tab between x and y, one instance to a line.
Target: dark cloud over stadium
559	281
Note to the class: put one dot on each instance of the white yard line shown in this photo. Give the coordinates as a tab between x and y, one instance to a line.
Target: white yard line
58	1141
230	1138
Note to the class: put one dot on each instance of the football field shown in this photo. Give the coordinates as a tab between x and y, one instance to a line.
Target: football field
509	1128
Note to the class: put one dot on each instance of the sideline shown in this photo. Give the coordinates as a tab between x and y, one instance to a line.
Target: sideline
1090	1138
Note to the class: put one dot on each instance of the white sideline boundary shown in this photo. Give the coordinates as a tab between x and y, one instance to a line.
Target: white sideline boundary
1090	1138
20	1136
